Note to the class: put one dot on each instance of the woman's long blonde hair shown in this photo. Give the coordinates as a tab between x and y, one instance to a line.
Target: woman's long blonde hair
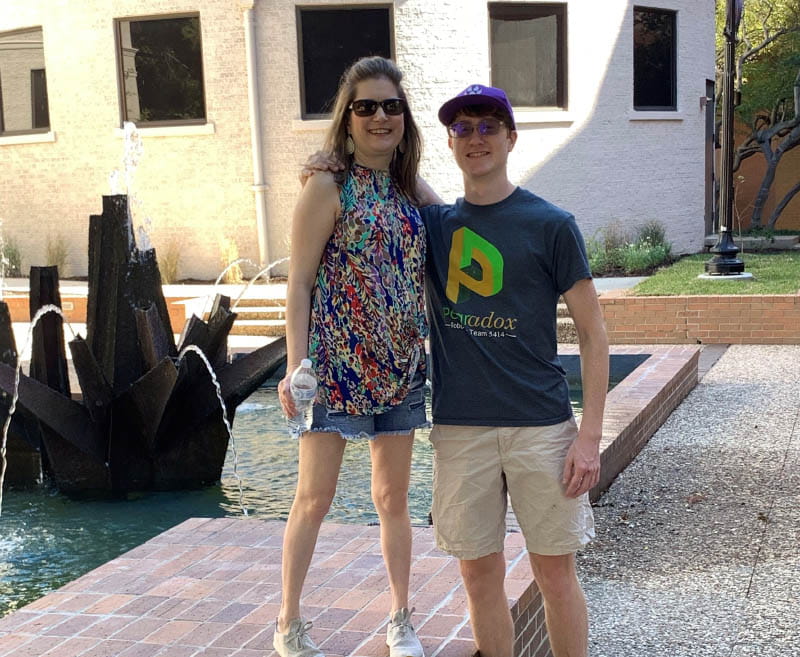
405	165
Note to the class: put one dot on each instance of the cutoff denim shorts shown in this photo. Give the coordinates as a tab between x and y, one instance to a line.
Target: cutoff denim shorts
400	419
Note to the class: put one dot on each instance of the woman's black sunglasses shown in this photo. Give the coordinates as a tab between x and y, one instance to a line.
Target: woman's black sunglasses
368	107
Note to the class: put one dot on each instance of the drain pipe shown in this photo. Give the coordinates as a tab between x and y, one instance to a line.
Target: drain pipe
259	186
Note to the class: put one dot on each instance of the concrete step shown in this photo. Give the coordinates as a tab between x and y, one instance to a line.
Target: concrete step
265	327
251	302
260	312
566	333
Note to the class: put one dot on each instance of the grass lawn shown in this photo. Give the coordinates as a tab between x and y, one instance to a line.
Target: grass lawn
774	273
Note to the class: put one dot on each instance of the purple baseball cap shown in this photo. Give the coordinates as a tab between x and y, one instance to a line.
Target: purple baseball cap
476	94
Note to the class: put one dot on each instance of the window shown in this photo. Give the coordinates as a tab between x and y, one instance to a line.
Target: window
23	84
161	68
332	39
654	59
41	113
529	53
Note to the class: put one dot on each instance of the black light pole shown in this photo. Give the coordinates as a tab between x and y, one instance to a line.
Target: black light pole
725	262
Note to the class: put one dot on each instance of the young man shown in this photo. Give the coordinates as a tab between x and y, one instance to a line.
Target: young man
498	260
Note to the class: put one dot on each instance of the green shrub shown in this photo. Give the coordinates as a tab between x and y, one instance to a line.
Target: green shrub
595	254
615	236
652	231
600	260
614	252
12	258
643	257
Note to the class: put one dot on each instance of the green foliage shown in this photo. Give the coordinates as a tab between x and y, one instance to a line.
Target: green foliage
768	74
598	256
765	231
11	257
768	79
614	251
762	231
653	231
643	257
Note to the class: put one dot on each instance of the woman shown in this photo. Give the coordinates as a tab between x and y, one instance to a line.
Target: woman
354	306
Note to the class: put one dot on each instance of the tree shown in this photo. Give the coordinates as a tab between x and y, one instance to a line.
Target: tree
768	83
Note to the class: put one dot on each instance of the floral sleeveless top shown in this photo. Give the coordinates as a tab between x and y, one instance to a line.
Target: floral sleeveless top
367	327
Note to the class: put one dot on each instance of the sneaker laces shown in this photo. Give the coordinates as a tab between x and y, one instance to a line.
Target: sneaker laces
299	638
403	625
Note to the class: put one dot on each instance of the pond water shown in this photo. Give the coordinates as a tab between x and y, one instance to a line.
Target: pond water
48	539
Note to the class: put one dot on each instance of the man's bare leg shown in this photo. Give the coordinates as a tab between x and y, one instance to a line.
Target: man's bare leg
490	617
564	604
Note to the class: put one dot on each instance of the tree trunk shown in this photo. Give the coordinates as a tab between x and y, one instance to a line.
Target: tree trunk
782	205
763	189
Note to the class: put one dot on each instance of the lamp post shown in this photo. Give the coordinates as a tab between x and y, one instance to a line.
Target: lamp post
726	262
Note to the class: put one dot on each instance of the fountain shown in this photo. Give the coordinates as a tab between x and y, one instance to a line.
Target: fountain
145	418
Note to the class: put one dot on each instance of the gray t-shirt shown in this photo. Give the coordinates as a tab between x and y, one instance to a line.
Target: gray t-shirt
493	277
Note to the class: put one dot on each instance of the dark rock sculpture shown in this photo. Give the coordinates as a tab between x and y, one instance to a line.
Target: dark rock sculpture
146	419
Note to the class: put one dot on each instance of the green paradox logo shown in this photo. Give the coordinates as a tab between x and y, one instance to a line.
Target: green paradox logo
475	265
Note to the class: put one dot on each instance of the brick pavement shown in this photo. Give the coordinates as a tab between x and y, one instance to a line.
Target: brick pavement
211	587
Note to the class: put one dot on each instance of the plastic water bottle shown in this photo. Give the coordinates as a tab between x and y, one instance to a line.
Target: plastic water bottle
303	386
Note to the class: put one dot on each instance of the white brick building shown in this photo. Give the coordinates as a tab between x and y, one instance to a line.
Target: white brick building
227	168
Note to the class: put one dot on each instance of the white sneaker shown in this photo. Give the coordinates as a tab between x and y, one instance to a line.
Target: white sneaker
296	642
400	635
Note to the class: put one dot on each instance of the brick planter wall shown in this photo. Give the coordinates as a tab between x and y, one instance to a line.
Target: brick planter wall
727	319
74	308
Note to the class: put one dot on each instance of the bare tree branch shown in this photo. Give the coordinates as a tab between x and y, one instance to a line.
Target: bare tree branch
782	205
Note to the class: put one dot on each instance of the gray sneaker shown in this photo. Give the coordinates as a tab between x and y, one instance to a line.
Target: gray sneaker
400	635
296	642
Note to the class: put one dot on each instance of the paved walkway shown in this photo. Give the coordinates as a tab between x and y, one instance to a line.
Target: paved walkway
698	540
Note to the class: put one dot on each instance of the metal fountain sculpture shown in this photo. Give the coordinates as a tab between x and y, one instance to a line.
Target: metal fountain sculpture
148	416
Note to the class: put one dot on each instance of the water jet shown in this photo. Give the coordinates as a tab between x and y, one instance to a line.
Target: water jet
144	419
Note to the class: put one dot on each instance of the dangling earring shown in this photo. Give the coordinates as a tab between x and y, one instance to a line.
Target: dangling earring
402	146
349	145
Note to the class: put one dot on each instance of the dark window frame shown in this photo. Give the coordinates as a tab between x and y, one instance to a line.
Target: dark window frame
26	131
2	120
299	9
121	71
511	10
34	97
673	73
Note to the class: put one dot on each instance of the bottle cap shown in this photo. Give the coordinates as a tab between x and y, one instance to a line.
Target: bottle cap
306	362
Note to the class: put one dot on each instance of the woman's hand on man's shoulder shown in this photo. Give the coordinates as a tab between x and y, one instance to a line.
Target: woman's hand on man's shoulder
319	162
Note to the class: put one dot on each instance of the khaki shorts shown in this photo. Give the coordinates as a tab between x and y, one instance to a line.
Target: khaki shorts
476	470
